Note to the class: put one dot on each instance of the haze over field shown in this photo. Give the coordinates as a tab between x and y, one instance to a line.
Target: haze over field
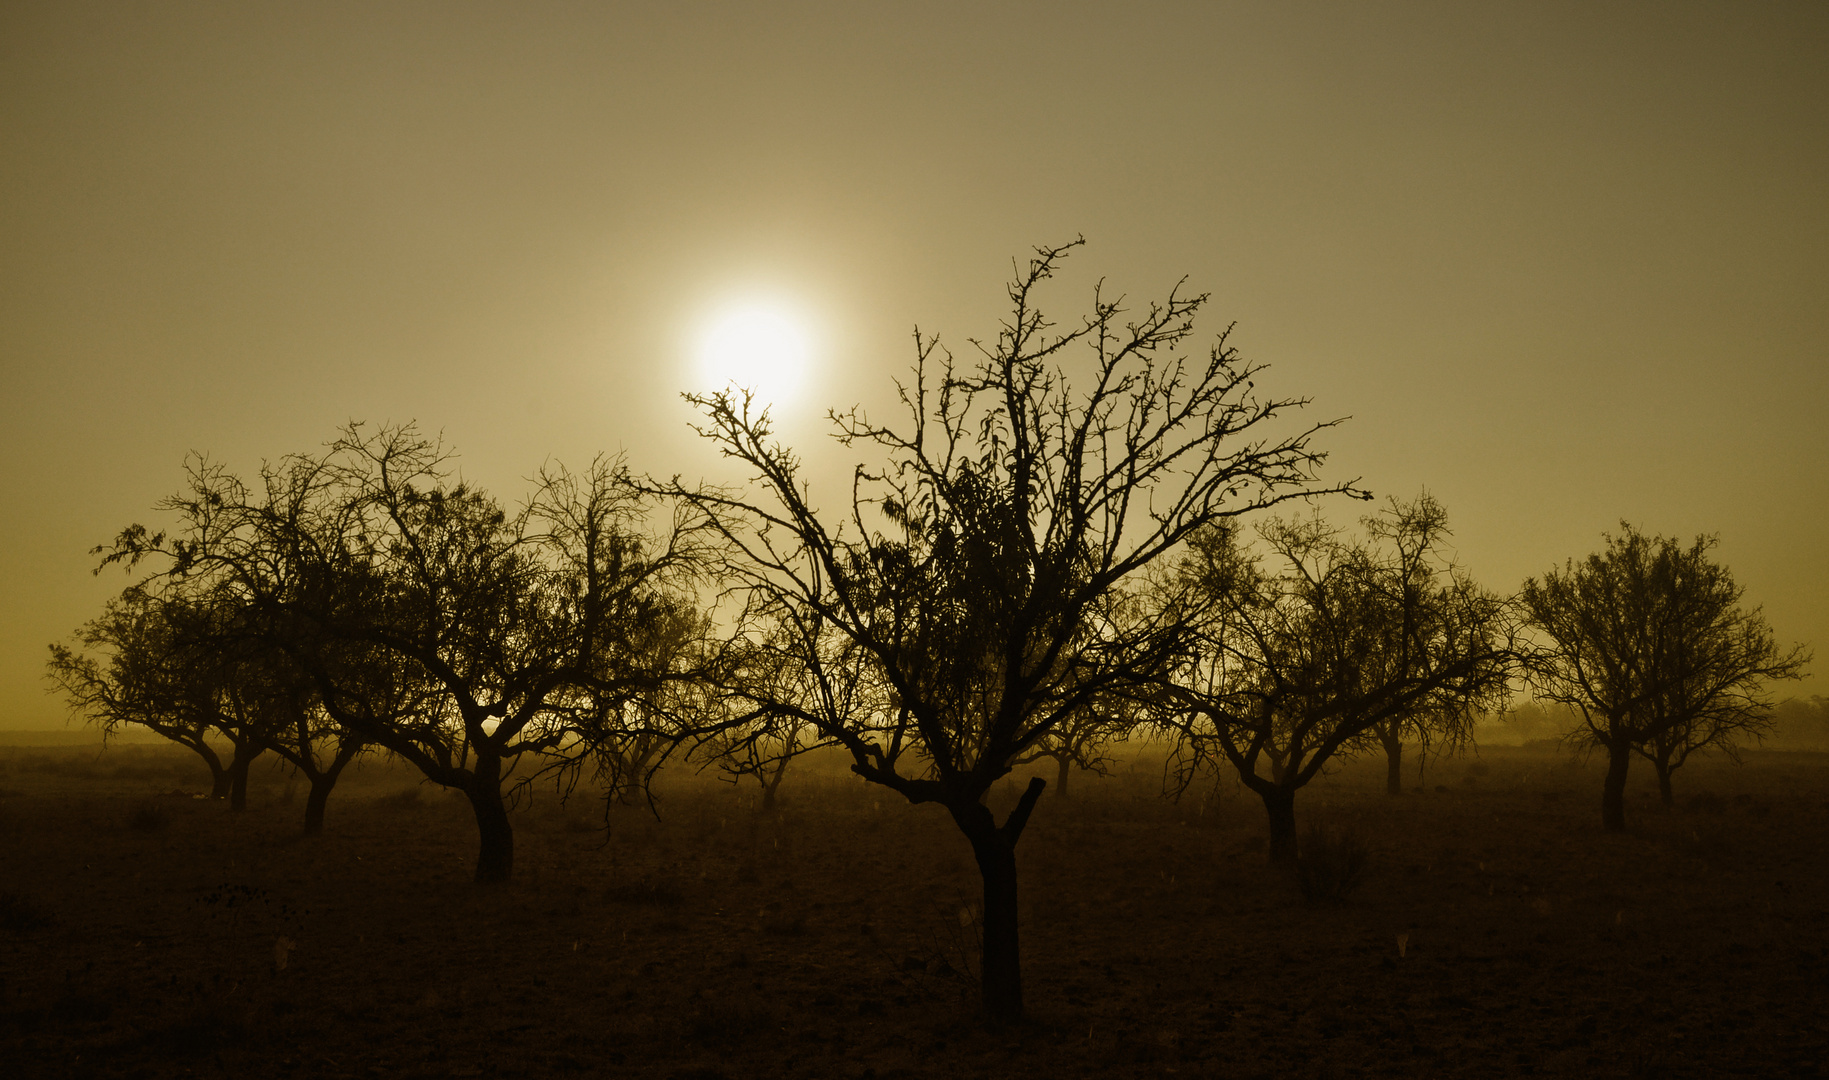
1561	265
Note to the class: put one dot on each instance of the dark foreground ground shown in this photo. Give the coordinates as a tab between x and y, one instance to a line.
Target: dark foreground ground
138	933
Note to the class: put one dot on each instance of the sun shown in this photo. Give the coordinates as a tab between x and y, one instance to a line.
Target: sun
760	347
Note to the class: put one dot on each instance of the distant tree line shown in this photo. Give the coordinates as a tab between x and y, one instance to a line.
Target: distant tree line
1078	537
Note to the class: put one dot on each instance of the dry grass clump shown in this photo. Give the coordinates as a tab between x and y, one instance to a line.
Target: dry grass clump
660	892
1705	802
1330	864
148	817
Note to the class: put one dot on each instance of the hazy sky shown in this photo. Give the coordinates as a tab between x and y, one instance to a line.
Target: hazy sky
1561	264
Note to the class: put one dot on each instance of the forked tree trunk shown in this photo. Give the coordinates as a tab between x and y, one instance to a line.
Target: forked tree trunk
1000	958
1060	781
321	783
1280	805
1393	764
771	783
1613	794
495	835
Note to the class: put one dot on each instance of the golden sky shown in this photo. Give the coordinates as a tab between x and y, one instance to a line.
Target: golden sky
1561	264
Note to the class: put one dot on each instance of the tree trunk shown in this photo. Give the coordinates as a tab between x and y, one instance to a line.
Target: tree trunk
1393	765
1663	767
771	783
1060	782
314	802
219	776
1613	795
1280	804
1000	958
495	852
321	783
238	775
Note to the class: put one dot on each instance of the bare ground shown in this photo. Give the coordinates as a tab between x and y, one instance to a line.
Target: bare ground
138	931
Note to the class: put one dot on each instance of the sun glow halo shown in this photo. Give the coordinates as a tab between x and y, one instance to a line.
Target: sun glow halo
756	347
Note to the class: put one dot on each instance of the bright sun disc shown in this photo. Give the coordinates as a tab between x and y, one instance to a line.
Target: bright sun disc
754	348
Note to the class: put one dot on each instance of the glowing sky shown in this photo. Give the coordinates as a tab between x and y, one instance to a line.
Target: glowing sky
1562	264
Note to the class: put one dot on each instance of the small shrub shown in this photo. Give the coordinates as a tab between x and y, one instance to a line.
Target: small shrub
148	817
646	894
783	923
733	1021
1705	802
1329	864
1751	805
76	1007
21	914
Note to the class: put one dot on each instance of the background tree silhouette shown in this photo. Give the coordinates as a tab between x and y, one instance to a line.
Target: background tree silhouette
1298	665
1648	642
961	609
384	580
1446	724
133	668
1081	741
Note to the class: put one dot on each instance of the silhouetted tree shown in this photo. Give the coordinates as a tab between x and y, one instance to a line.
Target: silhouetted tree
133	668
959	610
764	750
293	722
638	730
1081	741
367	558
1447	724
1647	640
1300	664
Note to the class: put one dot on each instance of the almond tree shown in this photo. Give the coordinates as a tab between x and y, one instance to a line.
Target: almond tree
1303	661
383	579
961	608
132	667
1648	642
1081	741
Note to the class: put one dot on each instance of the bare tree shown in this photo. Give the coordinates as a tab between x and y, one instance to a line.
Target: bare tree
1447	724
529	626
1648	641
1346	636
764	749
132	668
958	612
1082	740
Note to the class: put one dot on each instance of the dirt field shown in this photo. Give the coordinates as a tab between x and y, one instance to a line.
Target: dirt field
834	939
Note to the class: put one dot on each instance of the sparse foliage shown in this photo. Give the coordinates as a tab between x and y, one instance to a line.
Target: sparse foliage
1331	864
431	621
964	607
1648	641
1304	661
156	661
